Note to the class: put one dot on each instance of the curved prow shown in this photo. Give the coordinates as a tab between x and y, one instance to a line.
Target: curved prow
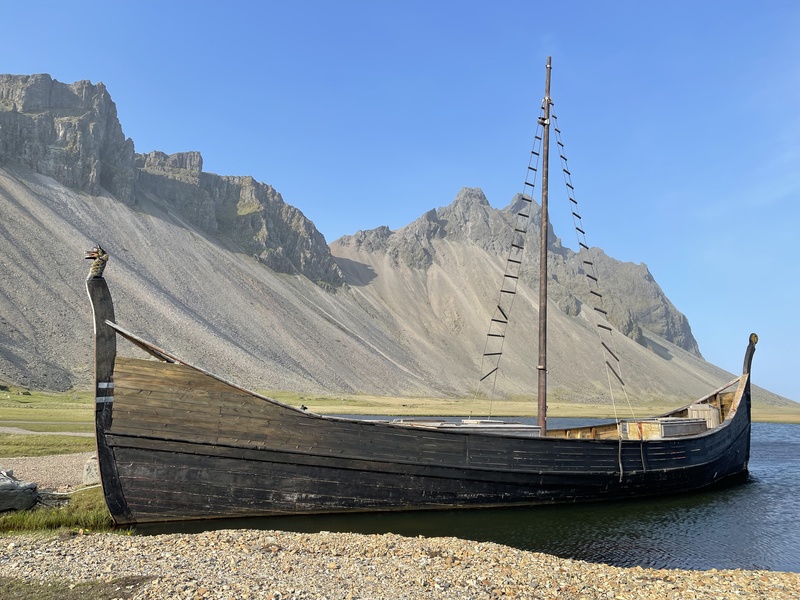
748	355
105	338
105	351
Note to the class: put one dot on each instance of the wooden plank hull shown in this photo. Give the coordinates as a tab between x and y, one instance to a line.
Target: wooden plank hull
186	445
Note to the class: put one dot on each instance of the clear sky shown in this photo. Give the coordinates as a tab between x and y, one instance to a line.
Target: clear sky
681	121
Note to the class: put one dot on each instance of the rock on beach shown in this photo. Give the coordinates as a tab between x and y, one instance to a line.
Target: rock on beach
251	564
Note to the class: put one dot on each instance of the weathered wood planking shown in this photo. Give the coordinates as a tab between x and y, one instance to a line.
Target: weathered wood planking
186	450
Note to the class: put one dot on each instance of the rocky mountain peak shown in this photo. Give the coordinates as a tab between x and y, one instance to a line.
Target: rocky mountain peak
69	132
369	240
467	197
635	300
247	213
467	212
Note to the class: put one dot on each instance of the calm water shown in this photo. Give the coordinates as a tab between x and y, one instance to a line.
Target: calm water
755	525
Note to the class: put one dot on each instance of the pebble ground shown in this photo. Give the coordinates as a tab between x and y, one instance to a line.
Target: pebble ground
250	564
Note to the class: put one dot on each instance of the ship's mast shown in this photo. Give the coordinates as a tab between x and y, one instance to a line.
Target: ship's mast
542	364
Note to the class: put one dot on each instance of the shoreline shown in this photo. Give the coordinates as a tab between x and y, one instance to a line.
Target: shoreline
241	564
249	563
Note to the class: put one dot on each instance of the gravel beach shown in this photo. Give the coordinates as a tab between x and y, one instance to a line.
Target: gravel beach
248	564
251	564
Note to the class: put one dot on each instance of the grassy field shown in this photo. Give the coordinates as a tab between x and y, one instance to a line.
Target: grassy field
73	412
45	411
480	407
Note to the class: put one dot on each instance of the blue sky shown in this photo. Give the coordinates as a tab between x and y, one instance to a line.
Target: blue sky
681	122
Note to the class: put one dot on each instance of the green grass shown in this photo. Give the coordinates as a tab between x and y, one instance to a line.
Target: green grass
514	406
62	411
13	445
123	589
85	512
46	412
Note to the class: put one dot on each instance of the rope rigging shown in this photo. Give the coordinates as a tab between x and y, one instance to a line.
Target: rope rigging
496	335
588	266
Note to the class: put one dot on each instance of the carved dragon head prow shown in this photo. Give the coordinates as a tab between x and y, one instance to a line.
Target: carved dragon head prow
100	258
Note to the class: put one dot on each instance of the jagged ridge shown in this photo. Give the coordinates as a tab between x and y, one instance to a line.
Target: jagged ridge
471	219
71	132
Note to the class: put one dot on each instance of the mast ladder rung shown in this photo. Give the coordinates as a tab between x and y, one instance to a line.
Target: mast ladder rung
498	335
582	245
518	230
567	172
606	327
526	198
489	373
492	353
569	185
564	158
595	293
512	292
518	247
581	231
610	351
511	276
515	261
592	277
524	216
600	310
499	321
575	202
534	152
530	184
615	373
574	214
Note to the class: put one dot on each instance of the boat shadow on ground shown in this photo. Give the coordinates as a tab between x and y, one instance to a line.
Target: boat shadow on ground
688	531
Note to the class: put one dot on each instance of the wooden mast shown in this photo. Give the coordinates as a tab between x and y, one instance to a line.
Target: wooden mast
542	364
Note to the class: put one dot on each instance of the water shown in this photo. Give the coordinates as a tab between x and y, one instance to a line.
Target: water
755	525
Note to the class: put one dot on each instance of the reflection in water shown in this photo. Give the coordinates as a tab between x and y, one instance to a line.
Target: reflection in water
749	526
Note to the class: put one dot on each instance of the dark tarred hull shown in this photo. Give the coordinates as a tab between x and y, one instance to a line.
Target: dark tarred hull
197	452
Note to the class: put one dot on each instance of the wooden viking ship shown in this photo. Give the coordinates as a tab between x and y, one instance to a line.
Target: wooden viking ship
176	442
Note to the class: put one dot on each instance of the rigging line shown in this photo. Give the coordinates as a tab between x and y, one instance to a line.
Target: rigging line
592	280
513	271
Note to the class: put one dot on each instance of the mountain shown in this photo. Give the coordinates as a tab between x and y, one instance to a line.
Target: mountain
220	270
